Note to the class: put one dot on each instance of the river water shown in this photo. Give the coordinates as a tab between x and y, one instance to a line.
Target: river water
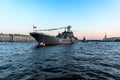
80	61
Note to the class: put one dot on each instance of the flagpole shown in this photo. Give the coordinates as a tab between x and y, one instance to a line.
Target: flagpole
34	27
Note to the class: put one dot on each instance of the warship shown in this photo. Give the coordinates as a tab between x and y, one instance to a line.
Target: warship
65	37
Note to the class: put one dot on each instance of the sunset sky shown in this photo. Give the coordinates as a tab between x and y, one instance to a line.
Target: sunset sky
90	18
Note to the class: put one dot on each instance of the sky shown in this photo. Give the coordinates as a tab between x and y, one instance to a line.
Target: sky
90	18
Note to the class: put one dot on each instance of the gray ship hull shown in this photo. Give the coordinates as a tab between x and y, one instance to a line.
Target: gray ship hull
51	40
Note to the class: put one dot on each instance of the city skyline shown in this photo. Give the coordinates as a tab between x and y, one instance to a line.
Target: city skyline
90	18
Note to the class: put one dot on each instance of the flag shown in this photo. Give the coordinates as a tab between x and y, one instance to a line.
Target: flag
34	27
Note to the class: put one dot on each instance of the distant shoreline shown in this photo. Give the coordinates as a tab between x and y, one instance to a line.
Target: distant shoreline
98	41
28	38
15	38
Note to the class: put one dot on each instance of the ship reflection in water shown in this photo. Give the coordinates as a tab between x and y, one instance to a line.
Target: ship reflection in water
84	61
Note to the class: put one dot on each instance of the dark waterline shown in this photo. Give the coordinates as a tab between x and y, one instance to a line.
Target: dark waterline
80	61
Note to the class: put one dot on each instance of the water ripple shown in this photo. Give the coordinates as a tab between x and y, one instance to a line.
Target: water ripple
80	61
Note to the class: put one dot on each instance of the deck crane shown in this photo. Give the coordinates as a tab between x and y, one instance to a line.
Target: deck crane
68	28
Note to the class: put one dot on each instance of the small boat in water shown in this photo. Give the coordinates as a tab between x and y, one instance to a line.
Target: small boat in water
66	37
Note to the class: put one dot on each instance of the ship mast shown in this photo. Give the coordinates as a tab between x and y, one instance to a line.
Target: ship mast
69	28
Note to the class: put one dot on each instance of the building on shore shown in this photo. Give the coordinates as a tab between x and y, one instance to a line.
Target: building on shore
15	37
113	39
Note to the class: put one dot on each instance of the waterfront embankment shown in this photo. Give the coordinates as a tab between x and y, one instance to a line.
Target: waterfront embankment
15	37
